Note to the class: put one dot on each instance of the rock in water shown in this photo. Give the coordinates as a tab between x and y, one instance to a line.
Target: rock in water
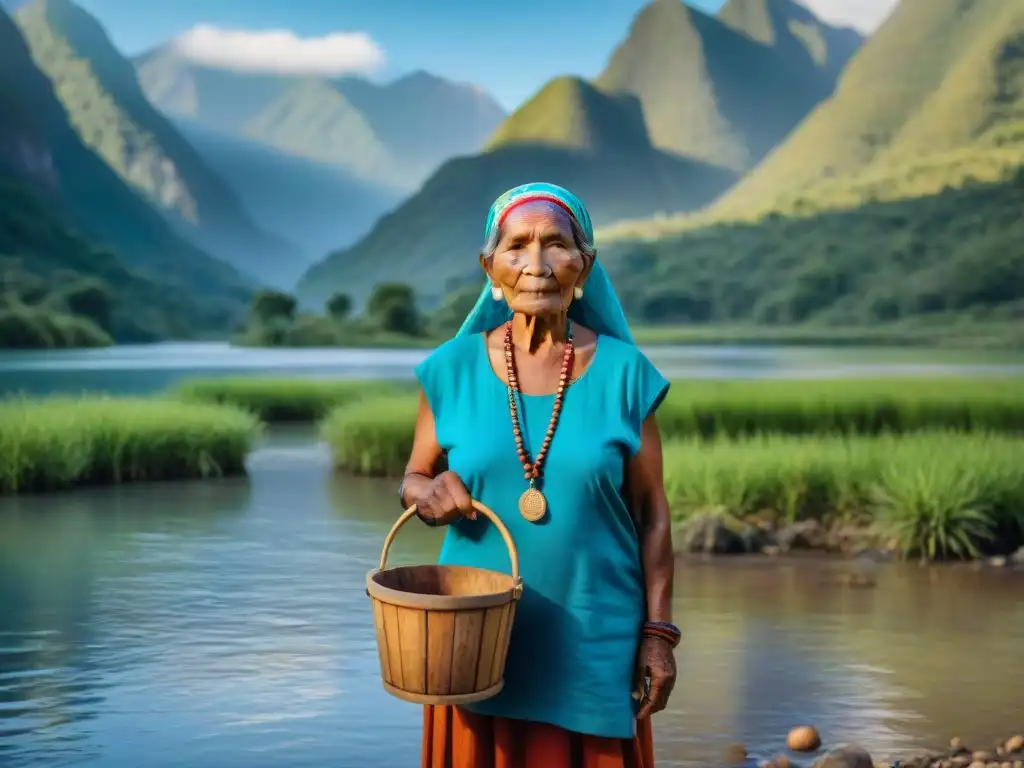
846	757
803	739
709	534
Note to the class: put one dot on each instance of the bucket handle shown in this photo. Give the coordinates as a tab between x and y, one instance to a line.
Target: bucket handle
513	553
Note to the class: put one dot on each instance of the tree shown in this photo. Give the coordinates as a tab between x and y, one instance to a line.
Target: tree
273	305
339	306
392	307
91	299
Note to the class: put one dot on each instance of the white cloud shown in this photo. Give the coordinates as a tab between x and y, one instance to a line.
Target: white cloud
863	15
281	51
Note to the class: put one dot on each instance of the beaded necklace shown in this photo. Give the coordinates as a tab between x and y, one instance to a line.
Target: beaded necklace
532	504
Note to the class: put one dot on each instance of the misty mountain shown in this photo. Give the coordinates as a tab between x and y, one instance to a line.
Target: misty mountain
392	134
108	109
318	206
570	133
726	90
66	216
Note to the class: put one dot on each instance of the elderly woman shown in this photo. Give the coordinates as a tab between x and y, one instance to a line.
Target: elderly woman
542	408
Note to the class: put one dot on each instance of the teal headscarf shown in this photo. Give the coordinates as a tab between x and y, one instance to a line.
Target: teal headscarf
599	308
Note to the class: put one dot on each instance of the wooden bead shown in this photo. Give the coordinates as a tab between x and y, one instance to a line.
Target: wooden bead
533	470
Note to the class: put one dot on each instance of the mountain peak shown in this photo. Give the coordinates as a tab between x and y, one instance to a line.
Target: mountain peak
572	114
790	25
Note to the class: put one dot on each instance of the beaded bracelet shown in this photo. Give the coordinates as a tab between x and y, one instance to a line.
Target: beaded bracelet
663	630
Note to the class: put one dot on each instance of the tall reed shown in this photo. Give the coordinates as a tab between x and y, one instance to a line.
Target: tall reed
938	494
867	407
46	444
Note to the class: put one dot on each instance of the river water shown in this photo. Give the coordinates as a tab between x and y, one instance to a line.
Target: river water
147	368
225	623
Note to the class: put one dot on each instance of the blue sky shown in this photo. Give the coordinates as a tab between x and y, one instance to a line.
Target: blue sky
508	48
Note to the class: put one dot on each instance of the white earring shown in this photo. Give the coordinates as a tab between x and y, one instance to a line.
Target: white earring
496	293
577	292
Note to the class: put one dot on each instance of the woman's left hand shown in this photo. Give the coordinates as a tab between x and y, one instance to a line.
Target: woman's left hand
656	661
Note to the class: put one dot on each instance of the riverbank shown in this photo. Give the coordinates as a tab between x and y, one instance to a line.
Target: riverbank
281	399
55	443
912	469
1005	753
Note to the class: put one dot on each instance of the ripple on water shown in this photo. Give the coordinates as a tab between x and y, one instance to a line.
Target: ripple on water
227	625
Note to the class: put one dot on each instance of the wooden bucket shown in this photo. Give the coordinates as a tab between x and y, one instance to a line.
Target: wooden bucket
443	630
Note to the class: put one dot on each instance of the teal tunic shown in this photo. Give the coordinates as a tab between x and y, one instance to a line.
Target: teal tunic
577	626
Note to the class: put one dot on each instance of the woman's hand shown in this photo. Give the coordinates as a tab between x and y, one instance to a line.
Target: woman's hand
656	661
445	500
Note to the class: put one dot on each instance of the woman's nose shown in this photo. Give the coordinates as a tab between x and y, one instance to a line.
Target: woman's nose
536	264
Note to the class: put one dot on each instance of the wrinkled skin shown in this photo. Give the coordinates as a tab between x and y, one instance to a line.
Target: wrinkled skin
537	264
656	661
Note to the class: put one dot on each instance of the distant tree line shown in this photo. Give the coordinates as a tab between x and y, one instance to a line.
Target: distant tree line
391	311
36	315
958	252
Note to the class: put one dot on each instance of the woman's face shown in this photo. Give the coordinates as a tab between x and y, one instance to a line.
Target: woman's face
536	263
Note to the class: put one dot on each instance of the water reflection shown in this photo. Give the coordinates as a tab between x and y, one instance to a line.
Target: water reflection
151	368
226	624
57	553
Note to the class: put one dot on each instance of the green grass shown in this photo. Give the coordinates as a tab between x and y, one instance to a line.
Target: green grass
937	338
280	399
921	461
936	494
736	408
373	437
49	444
710	409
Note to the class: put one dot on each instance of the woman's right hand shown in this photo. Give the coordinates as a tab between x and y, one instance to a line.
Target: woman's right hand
445	500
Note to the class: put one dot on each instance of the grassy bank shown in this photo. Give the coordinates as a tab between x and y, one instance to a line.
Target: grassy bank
936	493
280	399
937	466
849	406
941	335
939	492
375	437
63	442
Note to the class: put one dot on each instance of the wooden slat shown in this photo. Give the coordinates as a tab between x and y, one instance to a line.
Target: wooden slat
393	638
510	615
441	636
412	623
491	630
468	630
382	641
500	643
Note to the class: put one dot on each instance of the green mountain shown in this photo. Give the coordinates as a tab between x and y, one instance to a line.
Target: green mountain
898	200
571	114
67	219
393	134
107	107
726	90
313	119
570	133
318	206
800	37
932	100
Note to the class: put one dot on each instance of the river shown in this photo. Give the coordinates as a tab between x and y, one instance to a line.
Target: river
225	623
142	369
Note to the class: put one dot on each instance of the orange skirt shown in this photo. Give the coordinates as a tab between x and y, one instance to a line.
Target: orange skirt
456	738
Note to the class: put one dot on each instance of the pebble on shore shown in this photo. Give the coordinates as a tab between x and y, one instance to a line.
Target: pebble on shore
1006	754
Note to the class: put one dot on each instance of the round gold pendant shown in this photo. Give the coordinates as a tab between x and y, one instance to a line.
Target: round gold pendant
532	505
